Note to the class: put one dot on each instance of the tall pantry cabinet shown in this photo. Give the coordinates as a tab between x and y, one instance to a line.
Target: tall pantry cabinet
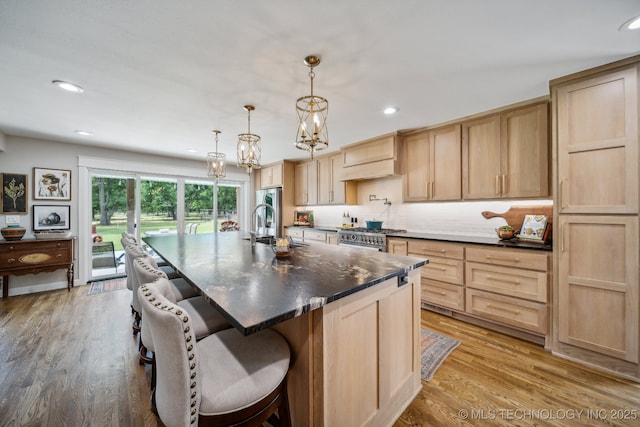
596	235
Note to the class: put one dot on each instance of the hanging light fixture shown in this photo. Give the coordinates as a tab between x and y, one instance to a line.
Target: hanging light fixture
312	116
249	150
216	163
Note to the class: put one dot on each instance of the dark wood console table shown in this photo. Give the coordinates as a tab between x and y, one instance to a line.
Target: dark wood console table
33	256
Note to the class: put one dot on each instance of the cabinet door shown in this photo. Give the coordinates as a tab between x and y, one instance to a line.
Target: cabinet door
306	191
598	284
271	176
481	158
417	157
597	138
331	191
525	152
396	246
445	168
325	183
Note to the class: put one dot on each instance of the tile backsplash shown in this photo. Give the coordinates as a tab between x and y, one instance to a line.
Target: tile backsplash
462	218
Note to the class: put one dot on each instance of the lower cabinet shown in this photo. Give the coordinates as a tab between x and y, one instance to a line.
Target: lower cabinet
312	236
507	289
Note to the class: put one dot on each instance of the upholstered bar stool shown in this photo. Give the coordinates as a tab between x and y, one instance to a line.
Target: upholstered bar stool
223	379
206	319
129	239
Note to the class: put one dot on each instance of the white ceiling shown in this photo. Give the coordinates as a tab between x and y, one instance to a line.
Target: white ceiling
159	75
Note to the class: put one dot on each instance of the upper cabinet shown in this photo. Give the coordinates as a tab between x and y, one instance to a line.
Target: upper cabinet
373	158
271	176
432	165
506	155
597	134
306	188
331	189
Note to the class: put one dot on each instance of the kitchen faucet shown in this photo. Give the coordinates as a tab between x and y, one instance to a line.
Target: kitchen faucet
258	221
373	198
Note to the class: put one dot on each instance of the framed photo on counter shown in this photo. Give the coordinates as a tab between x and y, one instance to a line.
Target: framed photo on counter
534	228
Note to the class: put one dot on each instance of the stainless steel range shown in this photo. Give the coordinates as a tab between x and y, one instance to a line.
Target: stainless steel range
366	238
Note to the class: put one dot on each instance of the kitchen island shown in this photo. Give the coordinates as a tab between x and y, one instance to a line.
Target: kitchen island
351	317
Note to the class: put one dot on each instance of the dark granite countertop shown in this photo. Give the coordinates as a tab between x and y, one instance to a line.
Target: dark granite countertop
254	290
491	241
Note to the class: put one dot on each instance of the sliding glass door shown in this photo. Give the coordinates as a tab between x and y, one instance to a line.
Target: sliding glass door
112	212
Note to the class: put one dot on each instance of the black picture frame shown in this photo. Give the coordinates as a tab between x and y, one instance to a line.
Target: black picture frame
51	217
15	193
51	184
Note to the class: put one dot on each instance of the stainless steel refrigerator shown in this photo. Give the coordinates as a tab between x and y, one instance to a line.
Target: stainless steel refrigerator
268	221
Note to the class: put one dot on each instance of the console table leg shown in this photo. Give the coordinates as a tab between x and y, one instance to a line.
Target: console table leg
5	286
70	277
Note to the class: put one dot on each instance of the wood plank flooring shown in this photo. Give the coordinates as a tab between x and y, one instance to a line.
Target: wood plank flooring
69	359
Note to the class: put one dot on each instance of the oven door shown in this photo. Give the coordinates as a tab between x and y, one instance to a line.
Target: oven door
367	248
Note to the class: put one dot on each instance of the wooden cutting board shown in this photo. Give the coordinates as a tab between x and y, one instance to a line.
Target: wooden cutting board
515	215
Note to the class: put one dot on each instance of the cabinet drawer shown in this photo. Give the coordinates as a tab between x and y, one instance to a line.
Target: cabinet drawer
315	236
436	248
528	315
533	260
295	233
34	245
442	294
513	282
19	259
446	270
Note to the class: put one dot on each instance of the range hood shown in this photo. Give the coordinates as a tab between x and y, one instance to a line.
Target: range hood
374	158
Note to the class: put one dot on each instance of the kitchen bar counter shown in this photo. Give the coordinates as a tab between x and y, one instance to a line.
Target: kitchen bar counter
255	290
351	318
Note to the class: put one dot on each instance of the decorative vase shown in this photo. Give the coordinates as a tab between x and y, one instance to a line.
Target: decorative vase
13	233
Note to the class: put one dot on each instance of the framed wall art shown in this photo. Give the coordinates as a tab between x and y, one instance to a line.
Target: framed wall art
51	184
14	193
51	217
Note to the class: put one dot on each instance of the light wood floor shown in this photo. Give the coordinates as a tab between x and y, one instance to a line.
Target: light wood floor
68	359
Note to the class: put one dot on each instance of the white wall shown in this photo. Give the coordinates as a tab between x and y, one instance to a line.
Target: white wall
458	218
23	154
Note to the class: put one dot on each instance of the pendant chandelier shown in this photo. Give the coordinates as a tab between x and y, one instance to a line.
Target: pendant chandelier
249	150
312	116
216	164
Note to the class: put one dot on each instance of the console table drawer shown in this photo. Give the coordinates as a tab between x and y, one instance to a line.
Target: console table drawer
527	315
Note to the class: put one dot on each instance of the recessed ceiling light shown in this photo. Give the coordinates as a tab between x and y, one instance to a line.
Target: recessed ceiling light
192	150
83	133
631	24
391	110
70	87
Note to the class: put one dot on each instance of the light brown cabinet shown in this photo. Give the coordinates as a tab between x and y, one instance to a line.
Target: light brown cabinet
271	176
331	189
501	288
597	124
306	187
506	155
508	286
307	235
442	279
373	158
432	165
598	284
596	242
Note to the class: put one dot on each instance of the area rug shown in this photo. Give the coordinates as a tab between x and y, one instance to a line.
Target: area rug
108	285
435	349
